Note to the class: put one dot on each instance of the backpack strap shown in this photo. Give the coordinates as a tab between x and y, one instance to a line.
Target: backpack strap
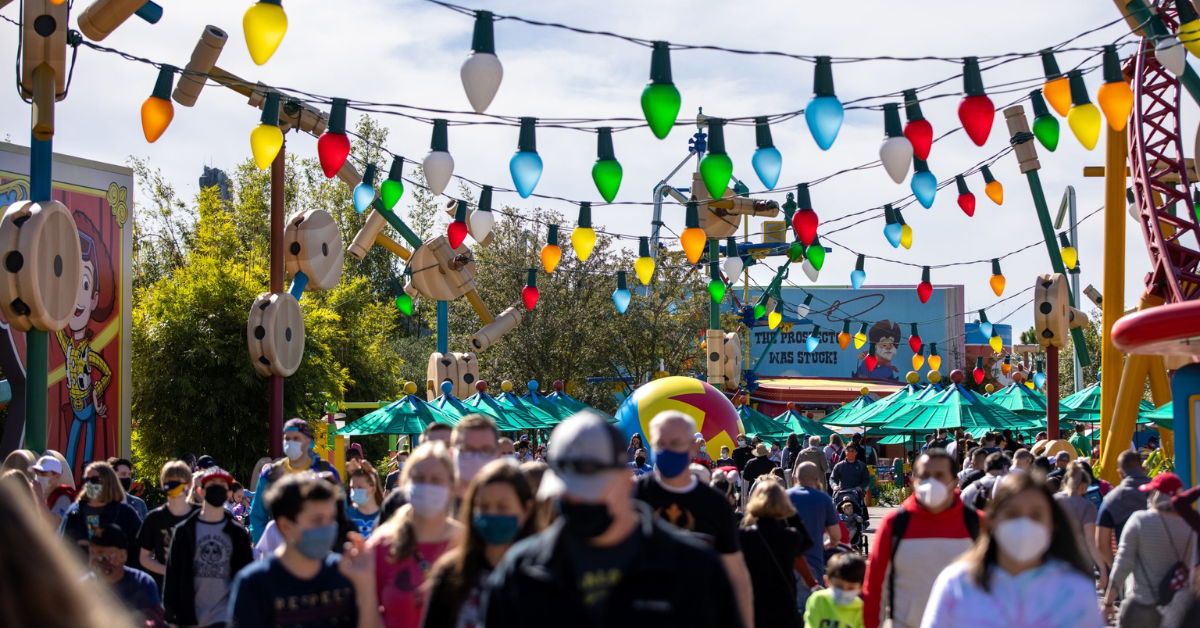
971	520
899	526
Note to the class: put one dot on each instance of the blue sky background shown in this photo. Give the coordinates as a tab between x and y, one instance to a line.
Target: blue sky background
410	52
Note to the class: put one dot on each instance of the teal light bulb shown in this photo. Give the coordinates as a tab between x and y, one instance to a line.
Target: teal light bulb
621	299
526	165
924	184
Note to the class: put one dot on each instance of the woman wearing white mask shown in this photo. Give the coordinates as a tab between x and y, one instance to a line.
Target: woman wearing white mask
407	545
1025	570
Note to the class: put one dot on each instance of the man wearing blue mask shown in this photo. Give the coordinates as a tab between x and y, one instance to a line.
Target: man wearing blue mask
675	495
303	583
298	458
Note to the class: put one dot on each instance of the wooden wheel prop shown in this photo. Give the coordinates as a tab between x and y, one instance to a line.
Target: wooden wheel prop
275	333
43	267
440	273
460	369
313	246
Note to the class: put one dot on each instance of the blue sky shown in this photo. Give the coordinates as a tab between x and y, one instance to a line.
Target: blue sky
410	52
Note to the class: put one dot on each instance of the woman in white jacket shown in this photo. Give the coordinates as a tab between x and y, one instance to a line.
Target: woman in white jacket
1026	569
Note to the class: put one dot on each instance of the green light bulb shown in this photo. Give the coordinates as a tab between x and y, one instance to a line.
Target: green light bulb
796	252
816	254
716	288
390	193
1045	128
606	173
405	303
760	311
716	168
660	99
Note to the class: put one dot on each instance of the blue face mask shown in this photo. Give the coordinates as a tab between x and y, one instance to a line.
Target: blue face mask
316	543
496	529
671	463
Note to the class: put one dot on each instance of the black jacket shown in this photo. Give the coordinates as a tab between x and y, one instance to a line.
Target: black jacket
770	547
741	456
179	592
74	528
672	581
758	467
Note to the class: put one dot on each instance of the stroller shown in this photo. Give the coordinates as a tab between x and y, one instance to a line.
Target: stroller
852	512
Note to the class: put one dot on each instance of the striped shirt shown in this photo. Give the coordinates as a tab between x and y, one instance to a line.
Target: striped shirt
1150	544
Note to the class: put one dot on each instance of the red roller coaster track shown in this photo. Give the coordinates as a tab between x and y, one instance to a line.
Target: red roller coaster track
1160	179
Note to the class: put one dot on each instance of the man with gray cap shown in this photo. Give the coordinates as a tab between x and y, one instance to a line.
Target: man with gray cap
607	560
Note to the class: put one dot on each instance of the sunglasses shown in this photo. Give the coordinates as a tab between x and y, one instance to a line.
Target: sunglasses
95	479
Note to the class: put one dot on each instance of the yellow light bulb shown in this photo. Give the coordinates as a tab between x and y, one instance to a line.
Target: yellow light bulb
773	319
997	282
906	235
1189	34
551	254
1030	385
1116	101
264	25
157	114
265	142
1085	124
995	191
997	344
693	240
935	363
583	240
1058	94
1069	257
644	267
860	339
917	361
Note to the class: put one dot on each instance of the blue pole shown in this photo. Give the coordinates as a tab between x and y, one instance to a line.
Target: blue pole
37	342
443	326
1185	392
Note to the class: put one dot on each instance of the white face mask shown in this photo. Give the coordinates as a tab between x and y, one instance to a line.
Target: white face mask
427	499
292	450
44	481
469	463
1022	539
931	493
843	597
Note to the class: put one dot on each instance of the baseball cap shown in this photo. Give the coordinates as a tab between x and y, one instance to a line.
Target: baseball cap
1167	483
48	464
215	473
205	462
584	452
108	535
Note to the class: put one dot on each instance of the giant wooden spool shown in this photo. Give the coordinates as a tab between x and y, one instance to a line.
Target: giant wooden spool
460	369
275	333
43	267
313	246
440	273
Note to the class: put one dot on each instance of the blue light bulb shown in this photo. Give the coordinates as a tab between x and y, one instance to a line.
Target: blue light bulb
363	195
767	164
812	342
857	277
621	299
985	329
526	169
893	232
1039	380
824	116
924	187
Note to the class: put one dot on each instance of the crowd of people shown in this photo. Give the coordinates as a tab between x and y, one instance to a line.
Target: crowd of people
473	528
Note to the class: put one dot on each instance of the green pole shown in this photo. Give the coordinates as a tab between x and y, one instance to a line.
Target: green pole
714	306
1190	80
37	341
397	224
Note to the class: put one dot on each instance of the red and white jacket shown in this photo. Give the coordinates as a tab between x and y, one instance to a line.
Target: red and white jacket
930	543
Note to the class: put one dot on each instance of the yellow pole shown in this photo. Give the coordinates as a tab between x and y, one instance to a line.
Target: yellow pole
1111	359
393	246
481	308
1129	397
1160	393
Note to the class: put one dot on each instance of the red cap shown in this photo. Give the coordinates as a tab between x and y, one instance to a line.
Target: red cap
216	473
1166	483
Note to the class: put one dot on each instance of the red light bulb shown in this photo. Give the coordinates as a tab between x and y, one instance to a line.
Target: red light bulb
976	111
333	147
871	361
529	294
457	232
805	223
918	130
978	373
924	289
967	203
914	340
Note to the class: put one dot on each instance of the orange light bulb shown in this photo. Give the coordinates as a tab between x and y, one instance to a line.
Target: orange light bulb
157	111
997	282
551	255
693	240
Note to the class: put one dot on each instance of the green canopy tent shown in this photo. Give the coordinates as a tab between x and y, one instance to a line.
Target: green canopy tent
956	407
508	418
536	417
1019	399
854	418
763	426
863	401
907	439
799	424
410	415
545	404
1163	416
1084	406
878	413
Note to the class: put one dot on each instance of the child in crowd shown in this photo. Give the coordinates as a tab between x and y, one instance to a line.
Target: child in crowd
853	522
839	603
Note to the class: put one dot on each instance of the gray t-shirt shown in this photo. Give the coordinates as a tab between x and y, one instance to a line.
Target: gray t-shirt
212	577
1080	510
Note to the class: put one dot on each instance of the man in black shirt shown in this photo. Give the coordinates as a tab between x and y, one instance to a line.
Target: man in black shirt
743	452
675	495
607	560
154	538
761	465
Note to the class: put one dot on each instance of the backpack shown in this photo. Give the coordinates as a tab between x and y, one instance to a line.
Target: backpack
983	494
900	525
1177	576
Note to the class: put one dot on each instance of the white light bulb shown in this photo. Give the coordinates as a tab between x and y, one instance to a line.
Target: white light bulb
896	153
1171	54
481	75
733	267
480	224
809	271
438	166
802	310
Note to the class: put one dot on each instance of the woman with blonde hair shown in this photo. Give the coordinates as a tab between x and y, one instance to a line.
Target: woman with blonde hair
772	547
1082	513
407	545
101	501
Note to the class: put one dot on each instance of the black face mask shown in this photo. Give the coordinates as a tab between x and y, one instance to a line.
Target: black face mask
215	495
586	521
640	460
126	483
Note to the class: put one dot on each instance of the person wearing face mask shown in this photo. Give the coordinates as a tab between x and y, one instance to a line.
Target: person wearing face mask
1155	543
49	473
135	589
101	501
1121	502
497	512
916	542
742	453
474	443
406	546
206	552
839	603
1025	570
675	495
773	540
159	525
365	498
298	458
607	558
124	469
639	465
303	583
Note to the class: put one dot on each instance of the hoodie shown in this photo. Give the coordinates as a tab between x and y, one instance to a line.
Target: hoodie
930	543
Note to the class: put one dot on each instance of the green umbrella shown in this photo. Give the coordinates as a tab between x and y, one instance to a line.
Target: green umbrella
849	409
409	415
1163	417
799	424
882	411
907	438
453	408
507	418
1020	399
761	425
956	407
536	417
546	404
1084	406
853	418
561	398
